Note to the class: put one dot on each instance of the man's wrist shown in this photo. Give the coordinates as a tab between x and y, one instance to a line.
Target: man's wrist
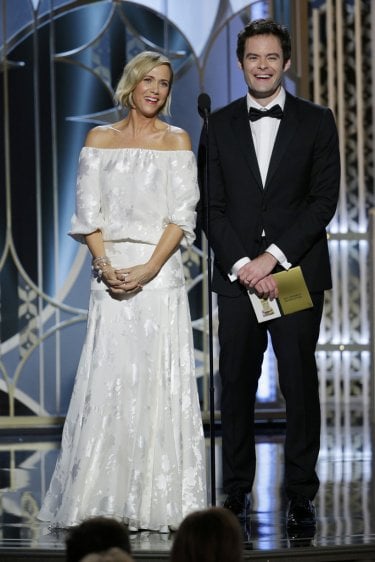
237	266
279	256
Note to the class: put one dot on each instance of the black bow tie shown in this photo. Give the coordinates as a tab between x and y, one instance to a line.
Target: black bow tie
275	111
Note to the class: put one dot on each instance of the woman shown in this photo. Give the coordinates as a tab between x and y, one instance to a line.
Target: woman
212	535
132	445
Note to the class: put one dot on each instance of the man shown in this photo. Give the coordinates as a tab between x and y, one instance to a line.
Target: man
273	189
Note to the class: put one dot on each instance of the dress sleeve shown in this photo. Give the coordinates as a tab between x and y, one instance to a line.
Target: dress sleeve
183	194
87	217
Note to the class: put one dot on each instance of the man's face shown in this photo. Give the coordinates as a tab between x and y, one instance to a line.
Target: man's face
263	67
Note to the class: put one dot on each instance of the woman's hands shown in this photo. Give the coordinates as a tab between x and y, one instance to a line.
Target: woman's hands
110	279
128	280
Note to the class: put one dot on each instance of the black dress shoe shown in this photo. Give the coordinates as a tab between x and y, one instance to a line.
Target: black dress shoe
239	504
301	513
301	536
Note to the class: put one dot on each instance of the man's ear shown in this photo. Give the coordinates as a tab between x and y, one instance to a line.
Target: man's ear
287	65
239	64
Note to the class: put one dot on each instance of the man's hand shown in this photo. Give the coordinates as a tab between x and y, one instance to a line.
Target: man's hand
267	288
256	275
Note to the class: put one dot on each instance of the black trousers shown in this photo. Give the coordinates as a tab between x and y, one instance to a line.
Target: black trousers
243	342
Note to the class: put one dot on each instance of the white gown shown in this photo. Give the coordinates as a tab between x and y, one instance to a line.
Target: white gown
133	446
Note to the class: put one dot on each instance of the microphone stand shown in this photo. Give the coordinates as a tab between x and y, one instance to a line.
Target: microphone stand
204	109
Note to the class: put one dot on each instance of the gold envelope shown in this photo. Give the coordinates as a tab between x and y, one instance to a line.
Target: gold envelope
293	292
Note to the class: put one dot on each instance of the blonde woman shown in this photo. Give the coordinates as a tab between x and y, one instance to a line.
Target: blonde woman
133	445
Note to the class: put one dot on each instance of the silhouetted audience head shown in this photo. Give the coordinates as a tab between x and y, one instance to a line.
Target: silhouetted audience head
111	555
209	535
96	535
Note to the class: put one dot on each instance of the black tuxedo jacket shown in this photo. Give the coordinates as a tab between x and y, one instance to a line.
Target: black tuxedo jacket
295	205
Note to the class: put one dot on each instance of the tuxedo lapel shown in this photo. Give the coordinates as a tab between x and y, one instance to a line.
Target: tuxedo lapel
241	126
287	129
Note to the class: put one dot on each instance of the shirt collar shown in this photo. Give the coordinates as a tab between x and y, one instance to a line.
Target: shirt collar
279	99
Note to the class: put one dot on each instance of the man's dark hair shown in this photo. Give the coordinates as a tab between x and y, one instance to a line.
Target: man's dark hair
96	535
264	27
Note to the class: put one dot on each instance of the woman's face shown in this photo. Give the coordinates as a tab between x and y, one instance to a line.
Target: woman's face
150	94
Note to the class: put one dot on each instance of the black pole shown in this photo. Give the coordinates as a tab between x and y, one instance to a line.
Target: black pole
204	108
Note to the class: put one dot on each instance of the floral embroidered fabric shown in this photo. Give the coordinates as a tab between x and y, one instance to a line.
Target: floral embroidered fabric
133	445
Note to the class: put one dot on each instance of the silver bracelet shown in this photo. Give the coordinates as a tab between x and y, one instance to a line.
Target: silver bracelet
98	265
100	261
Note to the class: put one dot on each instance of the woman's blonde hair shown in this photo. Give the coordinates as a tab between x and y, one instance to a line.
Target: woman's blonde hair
135	70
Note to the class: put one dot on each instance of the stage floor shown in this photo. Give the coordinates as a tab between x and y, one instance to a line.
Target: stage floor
345	502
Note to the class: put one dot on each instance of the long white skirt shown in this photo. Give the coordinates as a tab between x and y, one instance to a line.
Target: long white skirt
133	446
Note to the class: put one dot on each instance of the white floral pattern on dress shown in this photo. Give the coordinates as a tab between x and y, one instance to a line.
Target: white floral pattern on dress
134	193
133	444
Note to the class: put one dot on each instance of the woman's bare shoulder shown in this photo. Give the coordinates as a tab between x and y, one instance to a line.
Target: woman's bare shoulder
177	139
101	136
